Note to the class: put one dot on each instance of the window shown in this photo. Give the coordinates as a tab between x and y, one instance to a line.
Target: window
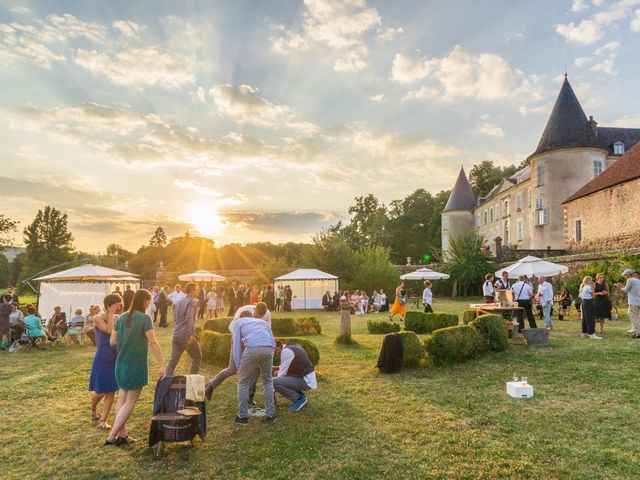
540	174
445	242
445	223
498	211
542	216
506	238
597	168
618	148
539	203
578	231
485	216
518	202
529	198
477	219
519	229
491	214
506	208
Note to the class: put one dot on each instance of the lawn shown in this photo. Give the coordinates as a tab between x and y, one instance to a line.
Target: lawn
440	423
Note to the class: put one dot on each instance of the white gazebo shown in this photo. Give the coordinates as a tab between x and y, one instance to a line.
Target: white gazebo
424	273
201	276
308	285
533	267
81	287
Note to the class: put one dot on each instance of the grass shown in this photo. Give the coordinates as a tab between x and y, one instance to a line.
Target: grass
443	423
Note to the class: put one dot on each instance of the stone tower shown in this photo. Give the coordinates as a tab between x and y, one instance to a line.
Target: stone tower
568	156
457	216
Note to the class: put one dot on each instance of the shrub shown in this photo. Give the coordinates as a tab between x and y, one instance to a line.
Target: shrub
412	350
307	326
382	327
468	316
198	330
453	345
493	330
420	322
220	325
309	347
215	347
345	339
283	326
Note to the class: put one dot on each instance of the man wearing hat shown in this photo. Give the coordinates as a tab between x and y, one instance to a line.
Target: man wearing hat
632	289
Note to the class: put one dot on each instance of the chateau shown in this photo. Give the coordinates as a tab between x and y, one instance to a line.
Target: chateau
527	211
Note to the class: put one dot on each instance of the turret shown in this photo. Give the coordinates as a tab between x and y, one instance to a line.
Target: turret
457	216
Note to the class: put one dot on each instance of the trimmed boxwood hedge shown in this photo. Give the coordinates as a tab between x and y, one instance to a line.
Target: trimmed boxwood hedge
220	325
493	330
382	327
412	350
468	316
451	345
420	322
307	326
283	326
280	326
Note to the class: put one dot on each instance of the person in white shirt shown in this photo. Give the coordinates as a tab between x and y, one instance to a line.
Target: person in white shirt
383	302
427	297
503	283
587	308
632	289
545	297
487	288
522	293
177	295
295	375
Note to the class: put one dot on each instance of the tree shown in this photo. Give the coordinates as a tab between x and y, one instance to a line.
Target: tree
117	255
159	238
271	268
374	270
368	221
5	272
467	263
7	227
331	253
484	176
48	241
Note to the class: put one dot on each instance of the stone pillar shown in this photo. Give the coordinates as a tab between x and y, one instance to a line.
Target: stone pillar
345	320
160	273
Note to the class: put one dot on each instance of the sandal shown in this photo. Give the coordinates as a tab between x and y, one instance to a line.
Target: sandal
103	425
110	442
125	440
95	418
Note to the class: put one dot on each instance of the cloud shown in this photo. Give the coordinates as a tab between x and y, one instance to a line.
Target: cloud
489	129
128	29
243	104
377	98
294	222
139	67
21	10
578	5
628	121
460	74
387	34
635	23
592	29
352	60
605	66
581	61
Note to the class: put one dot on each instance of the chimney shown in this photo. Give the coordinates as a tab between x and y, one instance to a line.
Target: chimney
594	124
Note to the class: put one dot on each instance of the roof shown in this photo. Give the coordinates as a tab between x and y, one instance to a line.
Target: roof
307	274
625	169
610	135
462	197
87	272
568	125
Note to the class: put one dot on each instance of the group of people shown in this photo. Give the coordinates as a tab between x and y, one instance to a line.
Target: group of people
358	302
594	300
123	337
278	299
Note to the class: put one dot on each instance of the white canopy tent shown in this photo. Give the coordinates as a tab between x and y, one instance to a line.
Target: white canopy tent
308	286
201	276
424	273
81	287
533	267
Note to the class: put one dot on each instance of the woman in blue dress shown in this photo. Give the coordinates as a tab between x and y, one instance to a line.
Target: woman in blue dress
103	372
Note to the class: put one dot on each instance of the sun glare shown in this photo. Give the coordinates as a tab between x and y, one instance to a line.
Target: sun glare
205	219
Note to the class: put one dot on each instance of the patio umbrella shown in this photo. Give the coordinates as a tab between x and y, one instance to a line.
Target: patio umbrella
424	274
201	276
533	267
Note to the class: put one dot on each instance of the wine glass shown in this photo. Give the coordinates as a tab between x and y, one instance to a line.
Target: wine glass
515	377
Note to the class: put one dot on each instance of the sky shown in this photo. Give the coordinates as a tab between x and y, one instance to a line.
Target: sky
249	121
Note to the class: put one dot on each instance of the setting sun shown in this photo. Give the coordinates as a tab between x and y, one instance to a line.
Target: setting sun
205	219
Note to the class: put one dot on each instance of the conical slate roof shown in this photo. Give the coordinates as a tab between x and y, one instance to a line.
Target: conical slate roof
568	125
462	197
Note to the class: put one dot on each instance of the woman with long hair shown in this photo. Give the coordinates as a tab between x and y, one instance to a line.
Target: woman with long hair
133	334
399	306
588	319
102	381
601	302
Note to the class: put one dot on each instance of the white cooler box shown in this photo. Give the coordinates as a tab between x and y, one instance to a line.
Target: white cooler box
518	390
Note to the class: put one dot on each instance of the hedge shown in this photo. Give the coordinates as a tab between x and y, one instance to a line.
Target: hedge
468	316
283	326
382	327
220	325
412	350
279	326
493	330
420	322
454	345
216	347
308	326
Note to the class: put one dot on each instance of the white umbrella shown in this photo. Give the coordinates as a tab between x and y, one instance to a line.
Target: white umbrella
424	274
533	267
84	273
201	276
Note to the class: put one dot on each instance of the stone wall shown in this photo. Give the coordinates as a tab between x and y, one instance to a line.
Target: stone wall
610	219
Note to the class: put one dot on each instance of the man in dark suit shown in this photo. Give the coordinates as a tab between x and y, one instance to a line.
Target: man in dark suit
202	301
270	298
163	304
231	295
327	301
288	296
127	297
14	296
336	301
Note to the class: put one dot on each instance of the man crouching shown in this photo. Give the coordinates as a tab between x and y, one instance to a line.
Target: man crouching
295	375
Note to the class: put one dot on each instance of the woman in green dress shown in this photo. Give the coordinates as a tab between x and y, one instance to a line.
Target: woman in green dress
133	334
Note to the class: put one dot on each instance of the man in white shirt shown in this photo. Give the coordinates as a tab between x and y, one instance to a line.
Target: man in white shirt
522	293
545	297
176	296
295	375
427	297
487	288
632	289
